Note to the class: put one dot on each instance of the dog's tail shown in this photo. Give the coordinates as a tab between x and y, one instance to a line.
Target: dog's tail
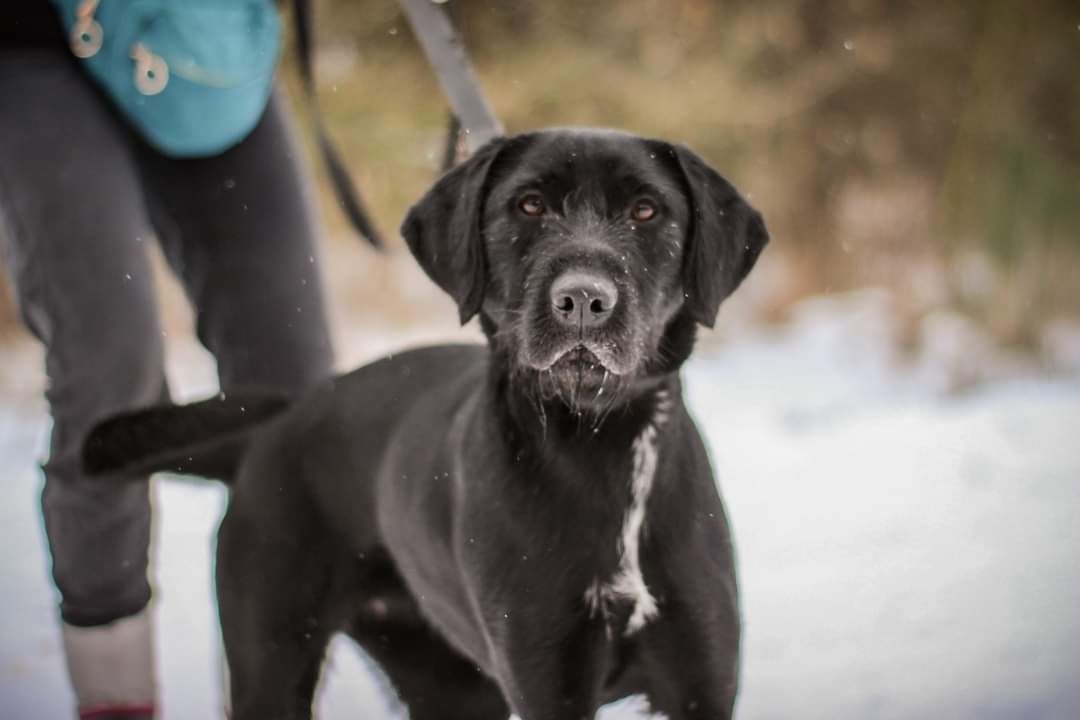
205	438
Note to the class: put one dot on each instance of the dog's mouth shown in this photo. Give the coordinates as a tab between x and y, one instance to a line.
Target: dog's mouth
579	359
580	377
588	355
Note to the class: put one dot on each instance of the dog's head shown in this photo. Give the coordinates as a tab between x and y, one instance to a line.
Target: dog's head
589	255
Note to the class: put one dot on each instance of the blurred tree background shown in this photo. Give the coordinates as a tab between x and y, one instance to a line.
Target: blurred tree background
932	149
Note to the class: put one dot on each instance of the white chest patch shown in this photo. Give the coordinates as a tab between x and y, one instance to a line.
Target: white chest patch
628	583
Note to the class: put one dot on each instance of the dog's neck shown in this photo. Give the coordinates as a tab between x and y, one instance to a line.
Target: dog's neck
614	424
611	461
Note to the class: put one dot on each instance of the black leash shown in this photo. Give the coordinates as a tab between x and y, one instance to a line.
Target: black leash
344	189
450	148
445	52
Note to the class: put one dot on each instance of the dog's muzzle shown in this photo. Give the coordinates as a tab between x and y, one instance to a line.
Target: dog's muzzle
581	322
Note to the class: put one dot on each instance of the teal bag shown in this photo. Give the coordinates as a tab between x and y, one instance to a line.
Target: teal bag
193	77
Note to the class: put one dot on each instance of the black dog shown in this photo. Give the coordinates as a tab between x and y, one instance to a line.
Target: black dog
531	527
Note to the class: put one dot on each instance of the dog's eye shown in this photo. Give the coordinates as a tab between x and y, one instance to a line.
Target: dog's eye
532	204
643	210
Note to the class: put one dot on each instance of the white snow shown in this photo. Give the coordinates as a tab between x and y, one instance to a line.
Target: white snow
904	552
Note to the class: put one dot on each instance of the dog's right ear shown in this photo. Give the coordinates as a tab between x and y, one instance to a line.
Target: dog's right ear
443	230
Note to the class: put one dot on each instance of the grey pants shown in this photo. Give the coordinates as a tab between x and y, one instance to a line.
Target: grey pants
80	198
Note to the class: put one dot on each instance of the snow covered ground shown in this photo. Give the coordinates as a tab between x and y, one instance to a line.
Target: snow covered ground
905	552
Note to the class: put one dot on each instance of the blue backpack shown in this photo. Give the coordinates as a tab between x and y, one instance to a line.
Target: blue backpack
192	77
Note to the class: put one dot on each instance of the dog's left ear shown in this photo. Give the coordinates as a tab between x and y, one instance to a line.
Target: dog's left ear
443	230
724	242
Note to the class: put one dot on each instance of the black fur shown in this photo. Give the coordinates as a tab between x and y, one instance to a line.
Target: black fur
727	237
205	438
446	239
451	507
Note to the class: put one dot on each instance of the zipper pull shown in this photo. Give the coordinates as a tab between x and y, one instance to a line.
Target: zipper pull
151	71
86	33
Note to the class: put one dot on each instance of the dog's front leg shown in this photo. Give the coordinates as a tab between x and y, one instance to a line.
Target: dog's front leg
692	668
548	671
277	574
690	651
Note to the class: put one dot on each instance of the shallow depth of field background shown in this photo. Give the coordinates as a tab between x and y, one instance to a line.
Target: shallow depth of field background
930	149
892	400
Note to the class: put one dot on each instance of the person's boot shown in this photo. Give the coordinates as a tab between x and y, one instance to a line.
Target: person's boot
112	668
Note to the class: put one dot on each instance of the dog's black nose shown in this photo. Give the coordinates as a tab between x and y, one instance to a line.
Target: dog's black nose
583	299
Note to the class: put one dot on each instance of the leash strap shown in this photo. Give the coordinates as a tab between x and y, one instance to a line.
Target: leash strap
446	54
347	195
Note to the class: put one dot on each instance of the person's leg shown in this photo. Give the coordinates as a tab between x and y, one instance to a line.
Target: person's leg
72	233
240	231
239	228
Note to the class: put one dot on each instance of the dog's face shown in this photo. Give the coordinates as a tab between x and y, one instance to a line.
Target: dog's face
589	254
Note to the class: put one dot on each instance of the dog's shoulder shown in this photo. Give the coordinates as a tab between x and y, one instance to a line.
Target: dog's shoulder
390	386
414	370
